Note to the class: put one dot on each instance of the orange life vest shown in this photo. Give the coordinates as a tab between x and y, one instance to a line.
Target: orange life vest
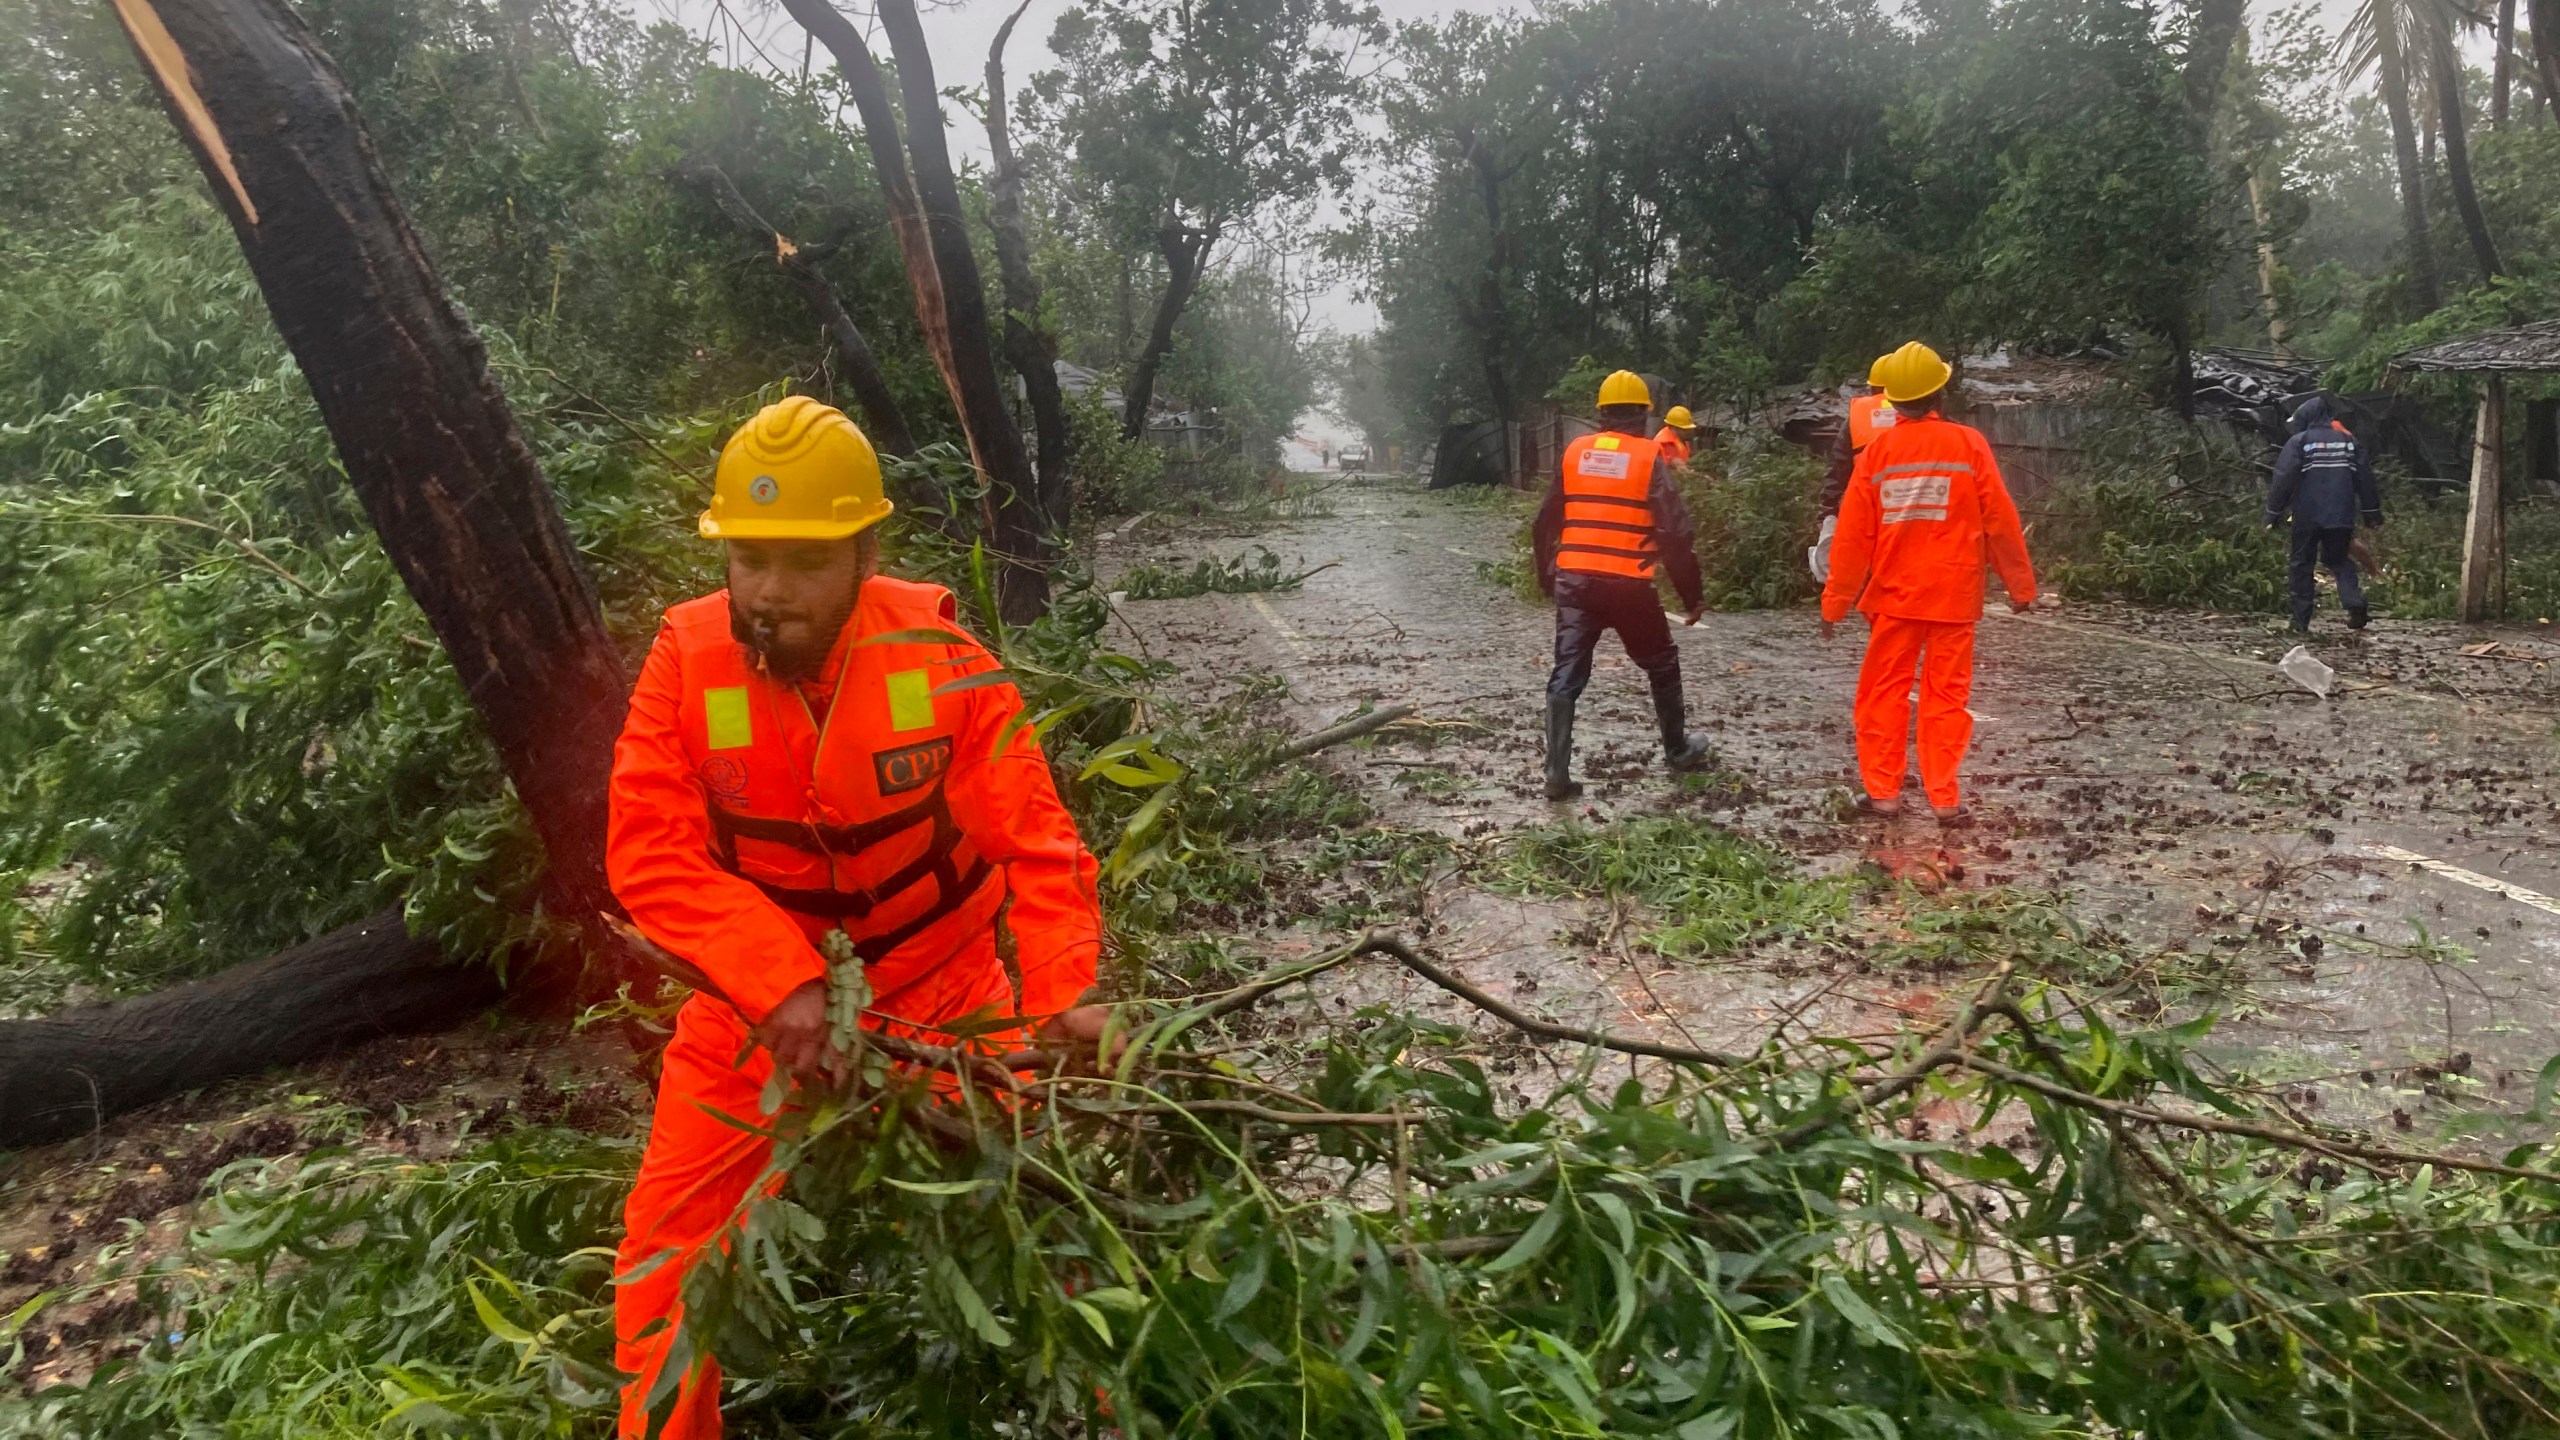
842	822
1608	506
1674	448
1870	416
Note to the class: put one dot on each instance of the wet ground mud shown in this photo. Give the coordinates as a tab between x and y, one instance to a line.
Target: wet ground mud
2356	886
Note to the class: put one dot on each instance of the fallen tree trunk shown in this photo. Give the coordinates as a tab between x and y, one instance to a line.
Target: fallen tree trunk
452	489
66	1074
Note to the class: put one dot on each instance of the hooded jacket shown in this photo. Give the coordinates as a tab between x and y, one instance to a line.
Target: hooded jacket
2324	475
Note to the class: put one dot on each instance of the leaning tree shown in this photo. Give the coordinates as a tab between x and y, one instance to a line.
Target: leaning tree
932	229
463	511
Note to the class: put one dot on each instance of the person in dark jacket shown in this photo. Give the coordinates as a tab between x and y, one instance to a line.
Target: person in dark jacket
1613	522
2324	479
1870	415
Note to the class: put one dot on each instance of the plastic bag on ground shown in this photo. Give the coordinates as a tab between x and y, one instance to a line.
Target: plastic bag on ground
2304	669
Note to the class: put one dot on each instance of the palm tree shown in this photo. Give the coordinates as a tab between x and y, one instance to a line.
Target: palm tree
2373	38
2544	18
2385	37
2502	79
2450	122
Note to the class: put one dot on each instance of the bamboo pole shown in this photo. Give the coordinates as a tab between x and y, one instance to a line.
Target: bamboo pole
2483	537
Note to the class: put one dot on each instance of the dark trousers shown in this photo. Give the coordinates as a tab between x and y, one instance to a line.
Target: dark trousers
1588	605
2327	547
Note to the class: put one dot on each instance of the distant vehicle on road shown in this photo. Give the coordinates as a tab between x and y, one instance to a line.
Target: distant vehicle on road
1353	458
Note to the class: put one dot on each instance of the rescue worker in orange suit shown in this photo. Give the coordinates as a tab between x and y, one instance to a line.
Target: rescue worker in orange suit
1612	523
1672	440
796	762
1924	509
1870	415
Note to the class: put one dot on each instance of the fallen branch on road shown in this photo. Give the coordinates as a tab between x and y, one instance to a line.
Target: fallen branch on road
1352	729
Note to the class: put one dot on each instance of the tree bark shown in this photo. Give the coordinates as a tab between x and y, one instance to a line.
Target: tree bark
1020	538
2457	153
404	386
2545	15
451	488
951	305
67	1074
2502	73
1492	313
2394	85
2209	54
2279	330
1028	344
861	367
1186	256
889	164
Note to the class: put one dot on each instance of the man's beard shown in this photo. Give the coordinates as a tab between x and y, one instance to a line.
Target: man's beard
792	664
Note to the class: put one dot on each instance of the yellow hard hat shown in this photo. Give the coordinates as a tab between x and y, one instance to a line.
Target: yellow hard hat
1913	372
1626	387
1679	418
798	471
1875	373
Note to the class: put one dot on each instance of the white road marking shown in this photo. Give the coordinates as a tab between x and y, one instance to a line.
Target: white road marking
2472	878
1264	606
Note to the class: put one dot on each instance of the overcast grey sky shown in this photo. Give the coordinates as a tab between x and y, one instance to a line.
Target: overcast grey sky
755	33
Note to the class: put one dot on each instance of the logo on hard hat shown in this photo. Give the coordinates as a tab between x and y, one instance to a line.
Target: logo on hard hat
763	490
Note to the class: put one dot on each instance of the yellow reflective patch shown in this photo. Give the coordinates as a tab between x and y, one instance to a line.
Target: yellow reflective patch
726	718
1605	442
910	700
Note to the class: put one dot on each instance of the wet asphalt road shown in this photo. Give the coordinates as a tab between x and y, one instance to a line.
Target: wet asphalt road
2364	878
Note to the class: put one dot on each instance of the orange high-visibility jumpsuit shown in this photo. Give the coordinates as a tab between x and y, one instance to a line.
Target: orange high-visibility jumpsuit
1925	509
748	819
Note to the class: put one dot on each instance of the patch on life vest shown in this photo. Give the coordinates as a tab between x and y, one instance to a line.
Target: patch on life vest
725	777
1603	464
911	767
727	723
910	700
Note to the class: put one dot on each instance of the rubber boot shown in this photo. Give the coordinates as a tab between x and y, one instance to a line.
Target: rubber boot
1560	782
2358	617
1680	749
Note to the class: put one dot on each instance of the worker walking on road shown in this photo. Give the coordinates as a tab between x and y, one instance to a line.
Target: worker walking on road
2324	479
1870	415
1678	427
1924	509
797	761
1612	523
